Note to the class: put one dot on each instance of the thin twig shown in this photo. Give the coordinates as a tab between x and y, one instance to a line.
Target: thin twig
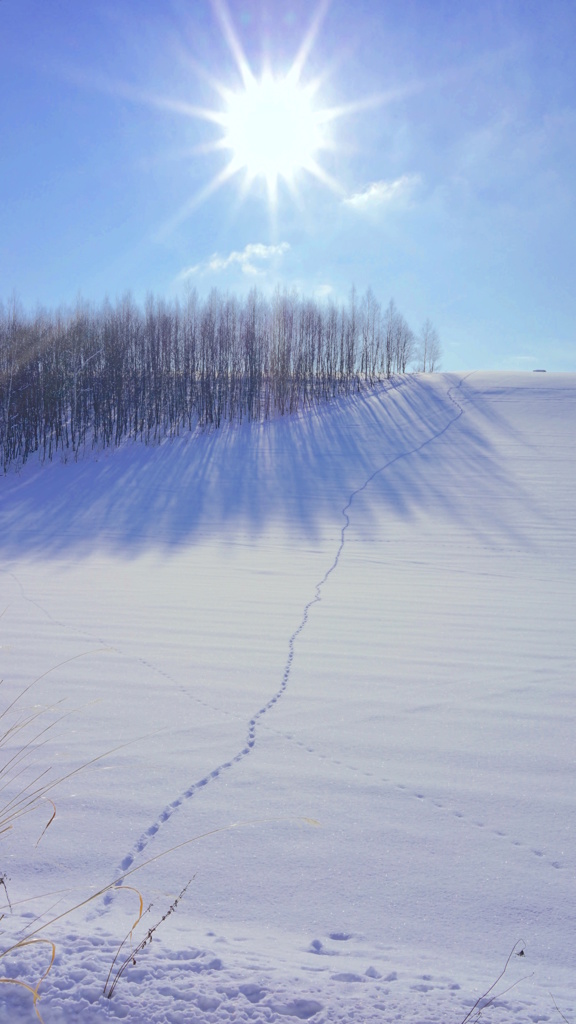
558	1008
131	958
480	1009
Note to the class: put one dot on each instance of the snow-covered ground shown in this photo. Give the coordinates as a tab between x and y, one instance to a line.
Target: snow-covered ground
363	616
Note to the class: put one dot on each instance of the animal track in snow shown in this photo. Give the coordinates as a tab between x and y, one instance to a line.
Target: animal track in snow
250	741
253	723
442	806
251	735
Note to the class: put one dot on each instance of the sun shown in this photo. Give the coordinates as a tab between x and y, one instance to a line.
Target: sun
272	130
270	124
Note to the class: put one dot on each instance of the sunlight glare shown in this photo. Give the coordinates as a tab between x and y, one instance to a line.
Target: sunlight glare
272	129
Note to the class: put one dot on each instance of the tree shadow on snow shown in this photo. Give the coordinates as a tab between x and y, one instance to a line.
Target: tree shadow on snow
295	472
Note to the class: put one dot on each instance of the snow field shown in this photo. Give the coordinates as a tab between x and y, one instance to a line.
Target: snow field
363	616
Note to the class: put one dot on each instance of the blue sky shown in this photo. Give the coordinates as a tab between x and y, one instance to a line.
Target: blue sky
446	182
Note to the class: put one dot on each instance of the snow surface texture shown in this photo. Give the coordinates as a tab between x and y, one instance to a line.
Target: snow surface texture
362	615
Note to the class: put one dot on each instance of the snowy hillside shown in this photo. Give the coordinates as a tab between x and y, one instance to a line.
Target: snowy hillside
362	616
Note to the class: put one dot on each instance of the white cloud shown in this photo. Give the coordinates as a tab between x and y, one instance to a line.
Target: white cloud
383	193
247	259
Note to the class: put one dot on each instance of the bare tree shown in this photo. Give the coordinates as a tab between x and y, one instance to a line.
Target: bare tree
398	341
403	345
95	376
428	351
371	336
391	319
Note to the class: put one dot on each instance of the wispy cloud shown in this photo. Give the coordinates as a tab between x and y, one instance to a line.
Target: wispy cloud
383	193
251	259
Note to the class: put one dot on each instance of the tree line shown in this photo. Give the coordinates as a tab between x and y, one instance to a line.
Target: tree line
95	376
